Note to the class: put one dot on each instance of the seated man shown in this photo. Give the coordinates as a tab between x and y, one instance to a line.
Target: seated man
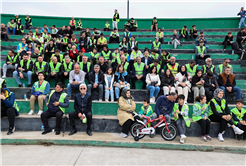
67	67
4	32
191	68
156	45
57	55
64	43
107	27
96	81
50	50
56	101
158	66
22	47
127	24
79	25
62	31
126	67
72	23
28	22
54	70
103	66
132	44
24	70
221	67
106	54
40	89
164	58
45	27
76	77
138	73
200	38
193	32
208	66
101	42
35	55
92	43
154	54
210	84
134	25
201	52
11	26
12	61
96	33
228	40
114	37
241	37
9	108
94	56
39	66
82	106
154	24
85	66
147	60
69	32
135	53
83	42
184	33
228	84
19	29
17	18
173	66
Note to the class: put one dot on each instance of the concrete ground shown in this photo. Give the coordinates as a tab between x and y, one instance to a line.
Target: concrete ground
80	155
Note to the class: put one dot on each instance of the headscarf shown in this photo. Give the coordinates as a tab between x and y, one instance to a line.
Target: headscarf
184	72
216	92
123	93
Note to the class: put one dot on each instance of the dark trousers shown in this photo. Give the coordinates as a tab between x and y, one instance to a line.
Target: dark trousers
242	127
62	77
10	113
72	27
100	47
63	47
106	29
199	57
74	115
47	56
187	37
161	40
114	40
223	122
4	36
28	25
205	125
53	36
35	77
78	28
56	78
239	41
126	126
192	36
48	114
134	78
131	62
225	43
17	32
209	92
133	28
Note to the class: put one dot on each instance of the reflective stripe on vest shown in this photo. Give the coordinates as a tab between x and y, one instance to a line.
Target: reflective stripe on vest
190	71
107	25
219	109
100	40
95	56
79	24
139	70
149	110
136	54
200	52
1	82
197	118
126	66
88	66
117	58
159	34
27	64
173	70
69	68
61	99
155	56
239	115
186	118
42	86
12	60
156	45
116	15
42	66
106	56
56	69
60	55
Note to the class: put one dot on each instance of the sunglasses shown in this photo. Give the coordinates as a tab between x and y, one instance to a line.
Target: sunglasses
227	62
82	88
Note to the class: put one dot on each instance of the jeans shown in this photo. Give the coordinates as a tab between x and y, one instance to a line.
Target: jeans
13	30
27	25
175	42
117	92
167	117
100	87
242	22
234	89
154	90
70	87
111	93
25	75
181	126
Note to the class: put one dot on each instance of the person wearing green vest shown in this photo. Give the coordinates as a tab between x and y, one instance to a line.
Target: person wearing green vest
201	52
107	55
39	91
164	58
154	24
127	34
208	67
160	35
145	111
154	55
12	61
94	57
135	53
17	18
55	68
86	66
114	37
239	117
64	43
156	45
200	115
101	42
57	101
157	65
220	112
39	66
24	70
72	24
125	65
35	55
116	19
180	113
107	26
39	39
138	73
9	108
67	67
220	68
134	25
11	26
3	83
184	33
28	22
173	66
54	31
79	25
19	29
92	43
57	55
191	68
115	58
127	24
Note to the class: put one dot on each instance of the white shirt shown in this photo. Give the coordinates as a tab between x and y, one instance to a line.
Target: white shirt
76	77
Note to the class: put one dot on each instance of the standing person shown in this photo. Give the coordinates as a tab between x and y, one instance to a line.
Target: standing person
200	115
180	113
198	84
241	36
167	82
126	103
67	67
153	83
242	14
160	35
109	79
201	52
154	24
114	37
175	39
39	91
28	22
220	112
228	40
39	66
83	110
12	61
116	19
210	84
138	73
56	101
184	33
193	32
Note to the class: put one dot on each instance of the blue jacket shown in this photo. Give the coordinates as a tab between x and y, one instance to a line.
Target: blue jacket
10	99
163	101
47	88
242	14
85	106
117	76
42	30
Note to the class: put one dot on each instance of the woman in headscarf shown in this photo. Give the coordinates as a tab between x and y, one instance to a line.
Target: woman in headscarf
126	103
219	112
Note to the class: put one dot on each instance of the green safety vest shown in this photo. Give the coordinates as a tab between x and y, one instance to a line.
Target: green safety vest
126	55
102	40
221	68
55	69
79	24
42	86
219	109
73	42
40	49
136	54
204	67
186	118
106	56
156	46
197	118
65	40
117	58
12	60
20	27
130	42
40	69
11	28
184	32
34	59
68	67
154	21
72	21
27	64
17	19
173	70
20	46
114	35
95	55
60	55
61	99
139	70
159	34
107	25
127	35
88	66
15	104
149	110
165	57
238	114
190	71
158	67
1	82
28	20
201	52
135	24
45	36
116	15
155	56
126	66
123	44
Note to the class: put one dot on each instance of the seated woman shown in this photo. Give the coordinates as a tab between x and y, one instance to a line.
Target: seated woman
109	79
123	44
126	103
220	112
153	82
183	84
120	80
200	115
167	82
198	84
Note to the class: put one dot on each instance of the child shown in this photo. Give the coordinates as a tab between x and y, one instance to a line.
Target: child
180	113
107	26
200	115
94	56
146	110
239	118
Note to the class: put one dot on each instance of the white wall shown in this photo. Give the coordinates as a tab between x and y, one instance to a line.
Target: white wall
138	8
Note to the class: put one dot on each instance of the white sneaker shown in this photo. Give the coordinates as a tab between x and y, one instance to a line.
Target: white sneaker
100	100
106	100
151	100
181	141
4	76
183	137
40	112
112	100
31	112
238	131
220	138
123	135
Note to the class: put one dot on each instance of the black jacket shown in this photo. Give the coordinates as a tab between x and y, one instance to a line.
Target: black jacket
213	81
100	77
150	60
167	82
103	67
25	67
226	111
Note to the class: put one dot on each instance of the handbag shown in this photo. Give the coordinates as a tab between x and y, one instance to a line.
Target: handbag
153	83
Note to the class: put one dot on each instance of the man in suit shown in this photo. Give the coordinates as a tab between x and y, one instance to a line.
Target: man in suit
147	60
